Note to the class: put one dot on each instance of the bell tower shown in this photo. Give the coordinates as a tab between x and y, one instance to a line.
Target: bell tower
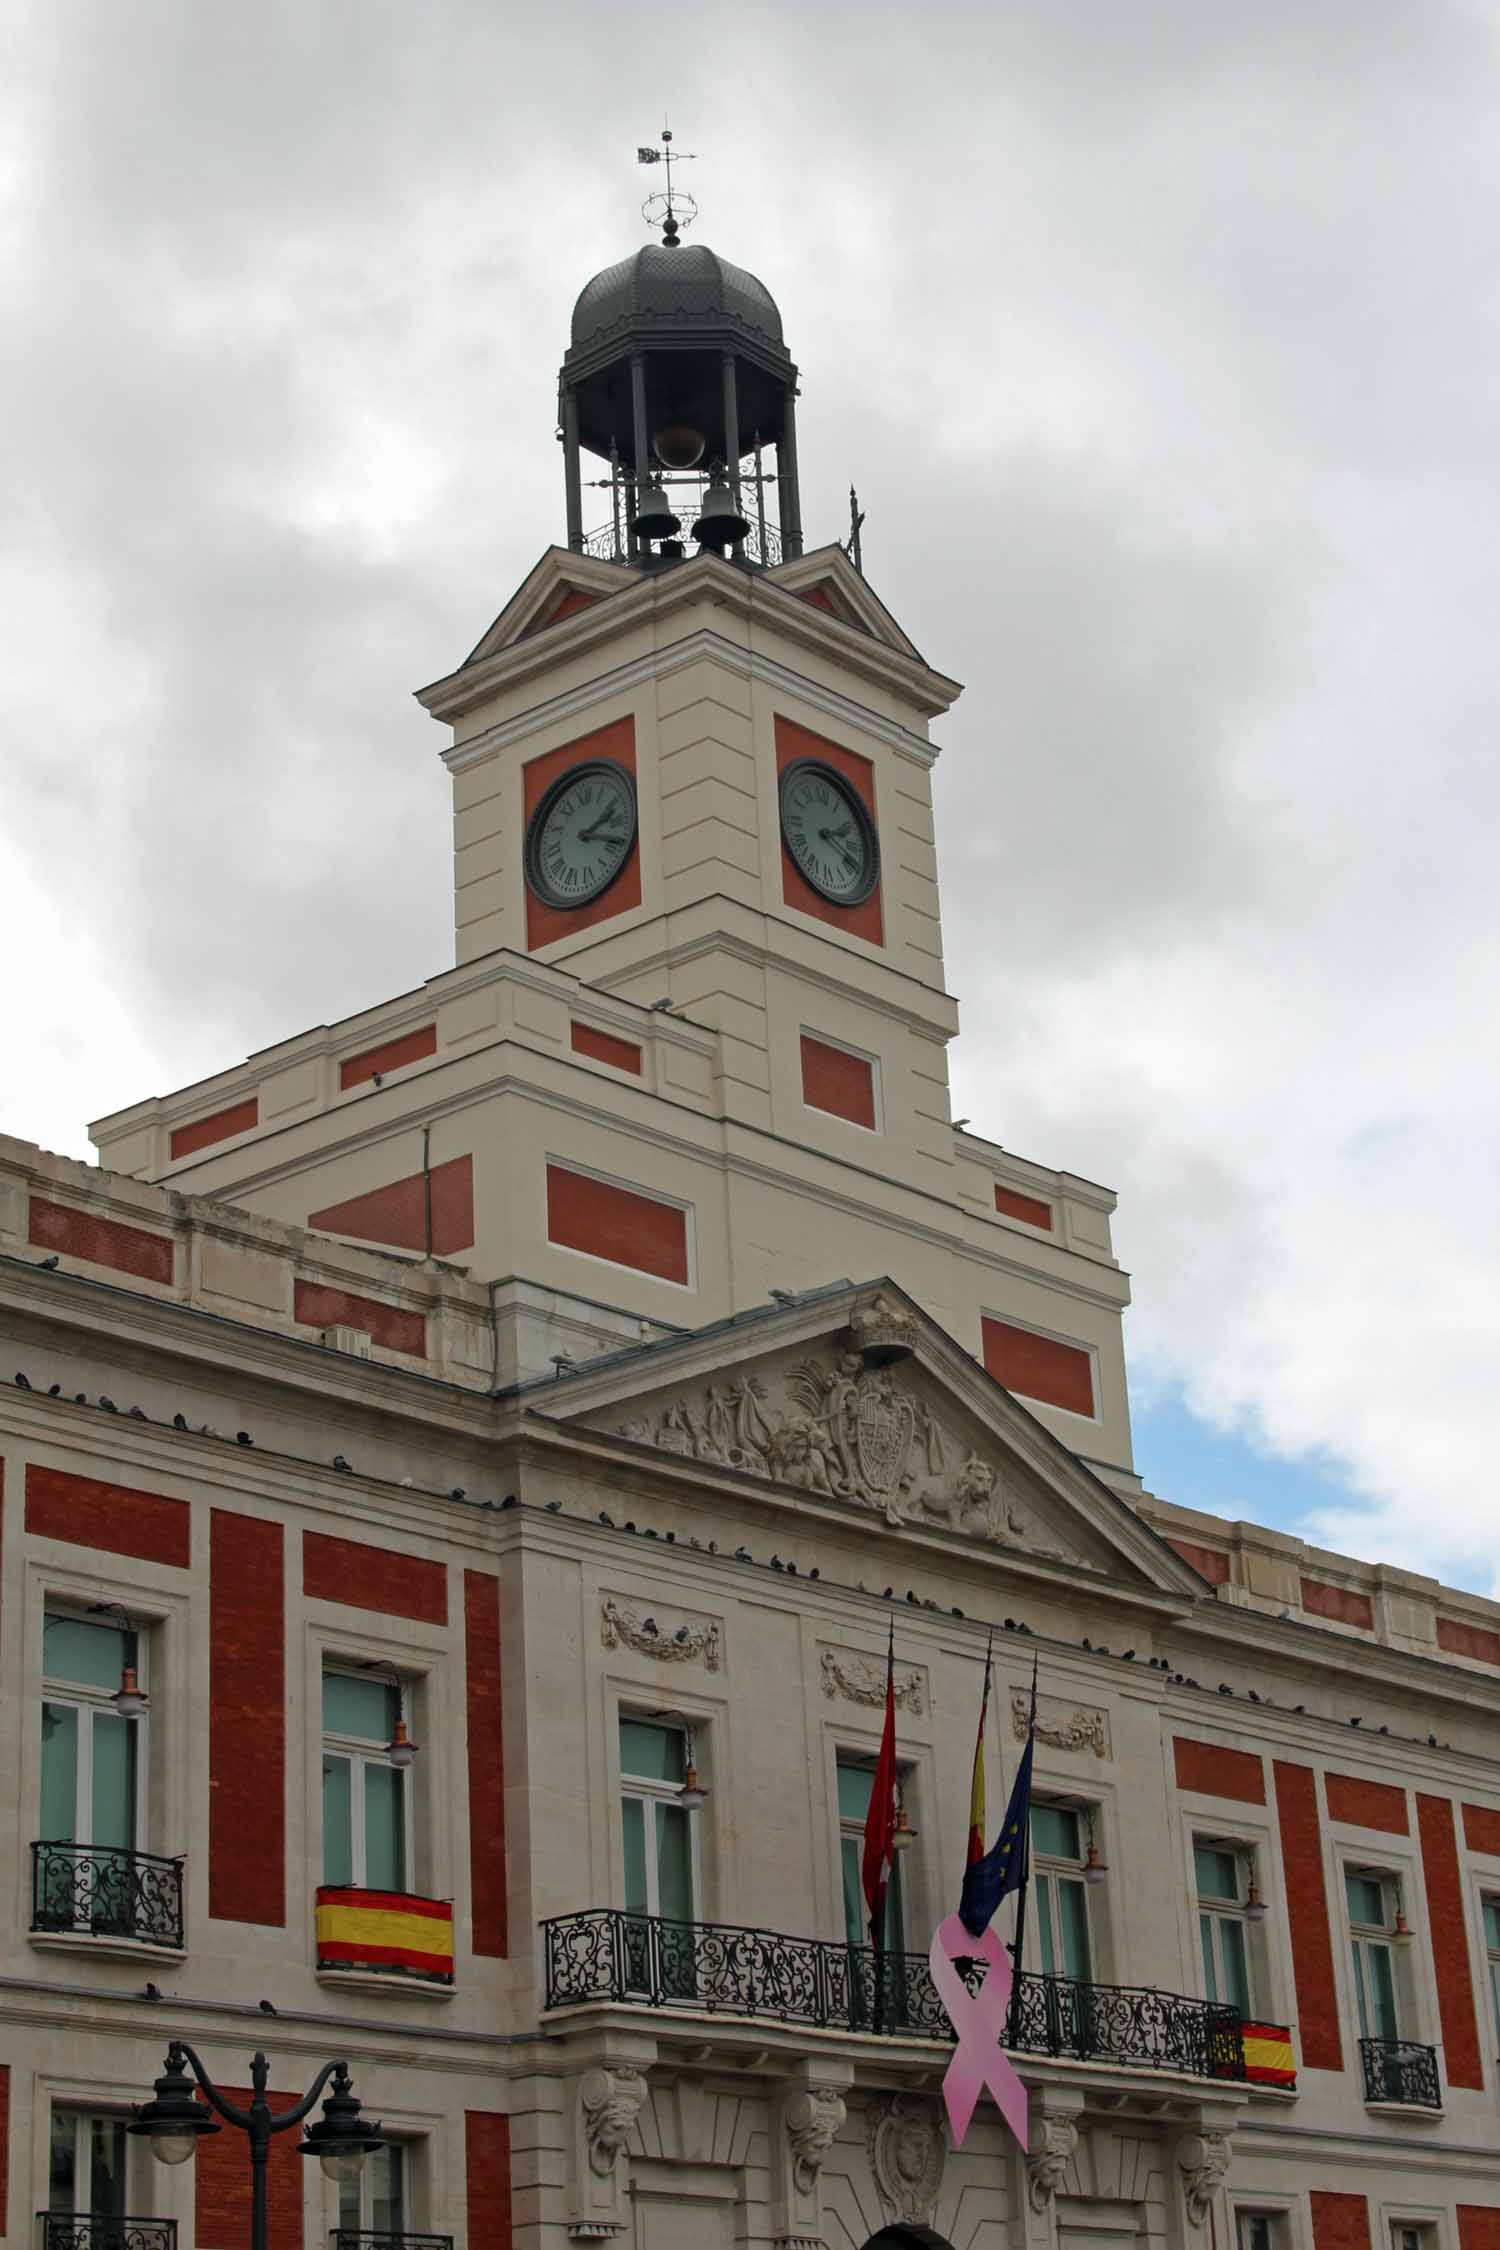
678	381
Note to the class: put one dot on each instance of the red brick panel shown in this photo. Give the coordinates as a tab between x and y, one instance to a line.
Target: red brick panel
90	1513
1450	1941
387	1325
544	922
603	1046
794	742
240	1117
222	2190
1307	1917
1366	1804
393	1054
1468	1640
246	1724
1478	2226
491	1934
1320	1599
1027	1207
345	1570
104	1242
1212	1771
838	1082
398	1214
617	1223
820	598
567	605
4	2142
487	2170
1209	1562
1339	2222
1038	1366
1482	1829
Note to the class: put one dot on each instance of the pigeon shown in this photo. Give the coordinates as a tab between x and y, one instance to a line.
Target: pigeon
777	1563
339	1462
48	1265
138	1414
152	1992
669	1536
108	1404
554	1507
457	1493
628	1525
955	1613
266	2008
1356	1722
243	1437
1128	1657
813	1574
179	1421
510	1501
743	1554
607	1520
54	1390
22	1384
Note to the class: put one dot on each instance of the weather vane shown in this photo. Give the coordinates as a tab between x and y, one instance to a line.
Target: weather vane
666	210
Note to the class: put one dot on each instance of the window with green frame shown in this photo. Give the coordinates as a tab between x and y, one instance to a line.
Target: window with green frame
657	1828
1492	1952
1372	1904
93	1761
366	1803
1221	1883
1059	1893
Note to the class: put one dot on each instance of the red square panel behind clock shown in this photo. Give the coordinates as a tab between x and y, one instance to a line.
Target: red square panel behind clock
794	742
544	922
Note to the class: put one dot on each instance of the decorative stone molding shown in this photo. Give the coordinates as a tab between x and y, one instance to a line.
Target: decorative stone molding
667	1644
859	1680
845	1428
1081	1730
811	2121
1051	2149
1203	2159
607	2102
907	2152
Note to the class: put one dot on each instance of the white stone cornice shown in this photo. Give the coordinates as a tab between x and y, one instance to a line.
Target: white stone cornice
623	679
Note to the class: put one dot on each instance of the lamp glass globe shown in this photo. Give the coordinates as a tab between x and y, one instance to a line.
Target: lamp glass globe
173	2148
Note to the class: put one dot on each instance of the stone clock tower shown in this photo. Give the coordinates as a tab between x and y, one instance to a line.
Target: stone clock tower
694	1050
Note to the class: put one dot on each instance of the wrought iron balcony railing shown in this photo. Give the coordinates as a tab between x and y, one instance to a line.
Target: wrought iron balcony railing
1399	2070
342	2239
64	2232
605	1955
95	1890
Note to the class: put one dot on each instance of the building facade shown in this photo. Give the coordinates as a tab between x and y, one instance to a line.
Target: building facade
463	1465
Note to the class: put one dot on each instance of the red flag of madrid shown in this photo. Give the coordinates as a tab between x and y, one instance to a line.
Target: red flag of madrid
880	1820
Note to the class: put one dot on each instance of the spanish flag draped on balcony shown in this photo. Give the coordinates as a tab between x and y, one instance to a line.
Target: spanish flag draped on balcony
392	1931
976	1783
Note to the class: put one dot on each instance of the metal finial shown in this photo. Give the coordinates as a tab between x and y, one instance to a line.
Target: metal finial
853	548
675	209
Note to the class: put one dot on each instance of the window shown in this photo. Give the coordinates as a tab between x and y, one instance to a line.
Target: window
657	1826
1492	1949
855	1784
1219	1876
1410	2234
1060	1893
374	2202
1258	2230
87	2165
93	1761
366	1804
1372	1903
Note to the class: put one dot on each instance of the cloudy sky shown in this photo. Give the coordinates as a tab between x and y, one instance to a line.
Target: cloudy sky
1160	340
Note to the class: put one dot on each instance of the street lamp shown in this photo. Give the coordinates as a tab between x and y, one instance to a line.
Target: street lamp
175	2120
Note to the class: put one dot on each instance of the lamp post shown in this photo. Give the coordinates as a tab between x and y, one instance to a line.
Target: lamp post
174	2121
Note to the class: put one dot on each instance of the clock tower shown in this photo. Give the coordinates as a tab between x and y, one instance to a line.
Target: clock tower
694	1047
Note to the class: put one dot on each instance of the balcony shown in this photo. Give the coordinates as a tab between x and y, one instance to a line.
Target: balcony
96	1891
64	2232
342	2239
710	1969
1398	2071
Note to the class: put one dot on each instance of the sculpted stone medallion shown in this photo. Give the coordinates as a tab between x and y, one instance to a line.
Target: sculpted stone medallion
907	2151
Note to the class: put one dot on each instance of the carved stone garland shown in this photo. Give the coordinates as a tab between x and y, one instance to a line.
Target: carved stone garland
1083	1730
858	1680
668	1645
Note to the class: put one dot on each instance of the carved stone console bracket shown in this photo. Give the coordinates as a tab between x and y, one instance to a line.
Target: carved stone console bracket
1203	2159
607	2102
1049	2152
806	2117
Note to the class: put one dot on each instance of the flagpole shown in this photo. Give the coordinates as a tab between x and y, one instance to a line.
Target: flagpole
878	1921
1018	1947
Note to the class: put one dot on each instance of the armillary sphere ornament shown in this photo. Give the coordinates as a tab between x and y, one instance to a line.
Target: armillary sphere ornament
671	210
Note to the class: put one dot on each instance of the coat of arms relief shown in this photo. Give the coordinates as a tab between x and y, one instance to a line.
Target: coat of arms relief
850	1430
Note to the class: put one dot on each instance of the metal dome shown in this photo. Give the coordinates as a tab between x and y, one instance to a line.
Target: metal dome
684	285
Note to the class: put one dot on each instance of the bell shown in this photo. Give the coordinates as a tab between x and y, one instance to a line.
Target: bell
720	523
653	515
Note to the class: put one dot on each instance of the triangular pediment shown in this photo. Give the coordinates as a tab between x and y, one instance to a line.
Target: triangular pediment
828	581
562	584
852	1399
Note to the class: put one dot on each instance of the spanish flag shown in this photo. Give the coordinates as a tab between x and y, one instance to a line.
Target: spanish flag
1268	2054
358	1929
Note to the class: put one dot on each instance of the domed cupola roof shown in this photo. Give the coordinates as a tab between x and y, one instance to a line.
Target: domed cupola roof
682	287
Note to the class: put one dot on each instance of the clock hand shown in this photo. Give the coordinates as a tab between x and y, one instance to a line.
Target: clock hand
831	836
587	835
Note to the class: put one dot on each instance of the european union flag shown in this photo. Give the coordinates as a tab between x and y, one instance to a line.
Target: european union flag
1003	1867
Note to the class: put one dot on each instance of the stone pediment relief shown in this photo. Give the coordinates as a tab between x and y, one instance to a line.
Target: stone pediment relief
851	1425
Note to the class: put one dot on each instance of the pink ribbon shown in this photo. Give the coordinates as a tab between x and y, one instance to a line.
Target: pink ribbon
979	2019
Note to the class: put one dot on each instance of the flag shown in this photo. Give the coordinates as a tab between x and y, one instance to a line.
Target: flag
976	1785
648	156
880	1820
1004	1866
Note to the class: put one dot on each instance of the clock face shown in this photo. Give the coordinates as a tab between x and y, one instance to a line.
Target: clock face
580	834
829	834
